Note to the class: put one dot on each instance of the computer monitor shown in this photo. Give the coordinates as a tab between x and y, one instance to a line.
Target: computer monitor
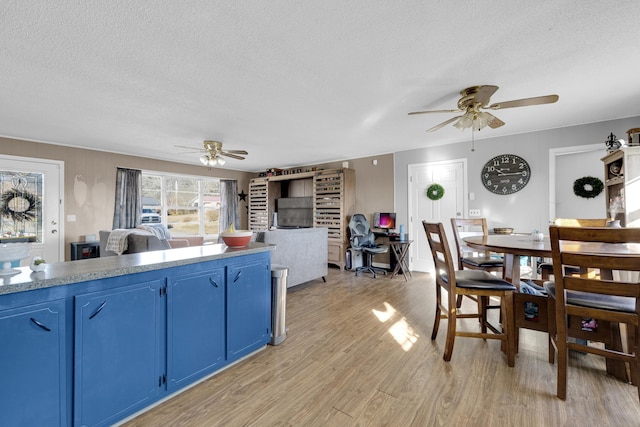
386	220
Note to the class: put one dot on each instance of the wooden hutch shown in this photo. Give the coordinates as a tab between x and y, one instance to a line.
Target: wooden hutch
333	193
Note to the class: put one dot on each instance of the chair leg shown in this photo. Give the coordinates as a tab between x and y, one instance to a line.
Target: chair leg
436	321
459	301
483	302
451	333
368	267
563	361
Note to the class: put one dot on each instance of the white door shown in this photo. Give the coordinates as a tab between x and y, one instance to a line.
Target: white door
451	175
35	211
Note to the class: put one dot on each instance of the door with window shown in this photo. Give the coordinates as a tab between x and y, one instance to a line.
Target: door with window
31	206
451	176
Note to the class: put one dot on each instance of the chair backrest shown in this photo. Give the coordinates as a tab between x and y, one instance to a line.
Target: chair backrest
581	222
359	231
462	228
599	248
441	254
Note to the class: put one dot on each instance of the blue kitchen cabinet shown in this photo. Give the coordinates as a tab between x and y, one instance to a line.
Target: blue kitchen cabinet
195	325
119	360
248	307
33	386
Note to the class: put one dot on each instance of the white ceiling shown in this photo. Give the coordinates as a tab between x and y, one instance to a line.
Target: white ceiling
303	82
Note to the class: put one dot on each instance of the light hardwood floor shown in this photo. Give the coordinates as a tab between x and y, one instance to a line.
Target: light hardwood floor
358	352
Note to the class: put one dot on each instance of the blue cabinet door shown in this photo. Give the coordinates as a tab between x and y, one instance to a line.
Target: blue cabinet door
33	366
248	307
118	343
195	326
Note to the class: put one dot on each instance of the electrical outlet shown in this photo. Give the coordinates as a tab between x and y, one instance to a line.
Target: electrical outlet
474	212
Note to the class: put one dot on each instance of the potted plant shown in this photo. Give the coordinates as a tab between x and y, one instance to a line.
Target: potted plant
38	264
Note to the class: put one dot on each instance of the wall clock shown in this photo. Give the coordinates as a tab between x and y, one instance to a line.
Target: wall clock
506	174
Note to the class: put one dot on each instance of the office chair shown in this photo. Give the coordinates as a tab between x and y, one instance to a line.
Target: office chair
363	239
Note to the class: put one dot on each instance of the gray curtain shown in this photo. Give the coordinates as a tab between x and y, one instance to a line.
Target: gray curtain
128	208
229	204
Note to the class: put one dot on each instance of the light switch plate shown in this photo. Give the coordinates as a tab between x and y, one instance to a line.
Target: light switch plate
474	212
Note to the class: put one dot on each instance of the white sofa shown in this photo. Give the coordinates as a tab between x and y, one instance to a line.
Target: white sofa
303	251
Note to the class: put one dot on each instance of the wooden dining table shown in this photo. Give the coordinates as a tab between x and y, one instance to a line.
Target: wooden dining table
516	246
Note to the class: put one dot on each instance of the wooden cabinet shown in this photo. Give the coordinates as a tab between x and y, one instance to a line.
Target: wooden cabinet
622	185
333	192
259	215
334	202
195	325
33	358
117	352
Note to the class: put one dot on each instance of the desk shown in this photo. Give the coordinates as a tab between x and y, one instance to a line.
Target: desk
400	249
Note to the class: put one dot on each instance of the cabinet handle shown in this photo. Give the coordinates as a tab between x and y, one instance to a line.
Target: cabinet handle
40	325
237	276
213	282
98	310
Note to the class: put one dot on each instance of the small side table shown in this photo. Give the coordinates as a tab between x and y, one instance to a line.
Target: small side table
400	249
84	250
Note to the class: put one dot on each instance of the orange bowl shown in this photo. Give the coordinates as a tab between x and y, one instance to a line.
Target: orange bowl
238	239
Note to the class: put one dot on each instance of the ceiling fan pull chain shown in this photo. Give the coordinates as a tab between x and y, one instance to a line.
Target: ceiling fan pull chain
473	141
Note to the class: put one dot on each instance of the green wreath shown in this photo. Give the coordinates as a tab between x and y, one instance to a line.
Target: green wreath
435	192
19	205
588	187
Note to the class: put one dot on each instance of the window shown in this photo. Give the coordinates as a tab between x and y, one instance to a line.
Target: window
21	206
187	205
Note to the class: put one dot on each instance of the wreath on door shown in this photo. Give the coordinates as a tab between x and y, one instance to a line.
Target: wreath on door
435	192
19	205
588	187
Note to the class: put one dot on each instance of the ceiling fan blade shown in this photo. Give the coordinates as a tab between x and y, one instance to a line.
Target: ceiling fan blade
495	122
484	94
443	124
436	111
236	152
233	156
193	149
538	100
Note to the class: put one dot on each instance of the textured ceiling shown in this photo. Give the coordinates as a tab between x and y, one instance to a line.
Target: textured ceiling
301	82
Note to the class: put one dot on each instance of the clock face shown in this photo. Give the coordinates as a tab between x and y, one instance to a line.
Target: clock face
506	174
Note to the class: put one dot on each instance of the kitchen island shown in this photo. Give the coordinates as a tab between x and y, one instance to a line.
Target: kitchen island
93	341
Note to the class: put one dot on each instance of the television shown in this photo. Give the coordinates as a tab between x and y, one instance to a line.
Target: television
385	220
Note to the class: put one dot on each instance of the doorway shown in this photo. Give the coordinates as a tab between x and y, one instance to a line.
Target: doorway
452	176
33	207
565	166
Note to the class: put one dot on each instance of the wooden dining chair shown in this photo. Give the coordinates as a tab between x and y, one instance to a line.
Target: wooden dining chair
480	284
473	227
592	307
463	227
546	268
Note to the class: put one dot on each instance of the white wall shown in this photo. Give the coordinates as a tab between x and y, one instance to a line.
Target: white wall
528	208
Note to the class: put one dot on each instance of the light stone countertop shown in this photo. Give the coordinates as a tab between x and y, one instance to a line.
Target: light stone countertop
65	273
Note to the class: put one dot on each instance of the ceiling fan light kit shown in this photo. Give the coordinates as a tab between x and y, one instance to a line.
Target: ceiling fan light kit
210	161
